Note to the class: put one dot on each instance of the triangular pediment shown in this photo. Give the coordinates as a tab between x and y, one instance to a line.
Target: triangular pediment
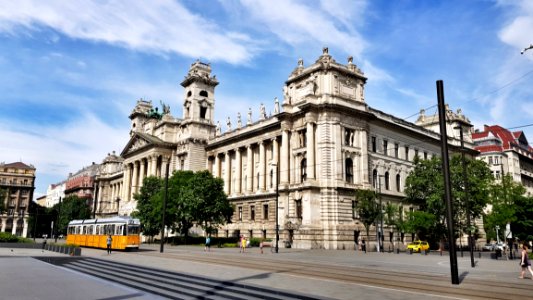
142	141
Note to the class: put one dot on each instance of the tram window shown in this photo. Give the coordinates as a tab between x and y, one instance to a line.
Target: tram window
133	229
113	229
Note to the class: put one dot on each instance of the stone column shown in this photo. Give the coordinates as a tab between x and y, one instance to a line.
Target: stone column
25	227
4	220
249	169
154	165
310	151
284	162
262	165
127	183
14	228
134	182
141	173
227	174
216	168
238	171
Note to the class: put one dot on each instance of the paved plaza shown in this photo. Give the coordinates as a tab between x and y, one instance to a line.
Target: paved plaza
29	278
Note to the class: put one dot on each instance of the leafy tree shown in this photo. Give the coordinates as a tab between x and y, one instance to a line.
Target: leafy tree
210	206
425	189
149	205
505	196
3	193
394	219
180	198
523	225
71	208
367	208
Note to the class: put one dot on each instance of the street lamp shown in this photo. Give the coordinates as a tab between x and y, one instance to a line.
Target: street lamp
380	229
56	224
277	200
527	48
467	201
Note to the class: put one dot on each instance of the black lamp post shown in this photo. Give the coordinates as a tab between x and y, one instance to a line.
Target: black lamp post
57	220
277	200
164	211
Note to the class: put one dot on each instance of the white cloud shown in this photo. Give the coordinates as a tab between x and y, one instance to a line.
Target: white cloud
160	26
58	150
298	23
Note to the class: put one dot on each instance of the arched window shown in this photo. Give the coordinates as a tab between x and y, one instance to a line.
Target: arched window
303	170
204	94
398	182
375	178
349	170
203	110
387	181
189	93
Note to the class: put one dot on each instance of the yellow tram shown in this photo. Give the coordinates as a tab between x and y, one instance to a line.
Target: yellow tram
94	232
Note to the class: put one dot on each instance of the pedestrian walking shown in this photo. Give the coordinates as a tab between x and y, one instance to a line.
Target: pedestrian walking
207	243
243	244
363	245
525	263
109	241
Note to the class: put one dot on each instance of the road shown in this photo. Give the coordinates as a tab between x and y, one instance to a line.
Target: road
296	274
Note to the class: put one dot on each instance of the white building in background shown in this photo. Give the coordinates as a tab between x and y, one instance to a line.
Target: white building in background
53	193
305	159
506	152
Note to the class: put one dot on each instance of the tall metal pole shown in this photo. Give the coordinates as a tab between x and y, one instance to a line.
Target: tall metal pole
447	185
466	199
35	224
56	224
277	199
380	243
164	211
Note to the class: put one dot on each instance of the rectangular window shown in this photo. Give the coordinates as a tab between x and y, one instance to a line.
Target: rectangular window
396	150
490	160
385	147
416	152
354	209
265	211
407	153
374	144
425	155
298	204
240	213
252	212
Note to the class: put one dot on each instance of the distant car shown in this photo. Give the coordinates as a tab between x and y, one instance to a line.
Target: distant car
489	247
418	246
500	246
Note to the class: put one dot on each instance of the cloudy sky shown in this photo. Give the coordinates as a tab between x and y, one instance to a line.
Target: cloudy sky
72	71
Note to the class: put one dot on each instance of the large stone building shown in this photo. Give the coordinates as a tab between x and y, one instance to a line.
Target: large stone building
506	152
304	161
81	183
17	180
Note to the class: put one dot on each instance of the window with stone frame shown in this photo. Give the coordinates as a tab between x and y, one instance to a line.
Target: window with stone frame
240	213
385	147
303	170
349	170
252	212
374	144
396	150
265	211
298	208
354	209
387	181
398	183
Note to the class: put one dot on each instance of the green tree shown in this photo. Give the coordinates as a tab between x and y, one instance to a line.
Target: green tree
3	193
425	189
367	208
211	206
149	206
505	196
71	208
181	202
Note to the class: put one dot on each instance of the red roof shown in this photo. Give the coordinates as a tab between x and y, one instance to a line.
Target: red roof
509	139
18	165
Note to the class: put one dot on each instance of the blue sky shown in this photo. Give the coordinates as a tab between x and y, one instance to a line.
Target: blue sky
72	71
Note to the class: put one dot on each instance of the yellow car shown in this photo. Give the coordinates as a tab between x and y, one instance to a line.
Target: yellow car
418	246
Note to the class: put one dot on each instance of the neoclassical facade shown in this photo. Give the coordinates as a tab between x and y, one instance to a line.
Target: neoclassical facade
17	180
301	163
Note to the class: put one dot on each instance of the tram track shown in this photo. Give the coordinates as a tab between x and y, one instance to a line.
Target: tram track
426	282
